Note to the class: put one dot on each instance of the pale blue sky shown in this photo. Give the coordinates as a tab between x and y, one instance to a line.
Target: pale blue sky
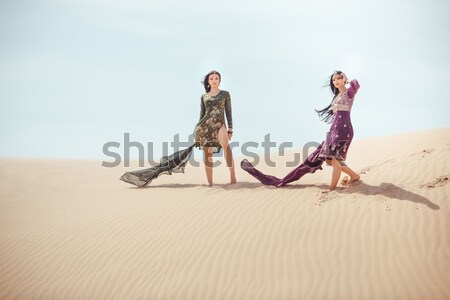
75	74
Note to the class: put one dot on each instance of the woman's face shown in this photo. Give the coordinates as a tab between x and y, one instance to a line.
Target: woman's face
338	80
214	80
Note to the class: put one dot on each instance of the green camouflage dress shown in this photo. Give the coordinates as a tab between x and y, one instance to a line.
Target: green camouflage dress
206	131
212	119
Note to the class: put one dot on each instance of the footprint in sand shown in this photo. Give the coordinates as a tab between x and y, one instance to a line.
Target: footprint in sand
438	182
423	153
365	170
369	168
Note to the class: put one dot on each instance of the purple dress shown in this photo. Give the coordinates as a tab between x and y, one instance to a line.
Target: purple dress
336	144
339	138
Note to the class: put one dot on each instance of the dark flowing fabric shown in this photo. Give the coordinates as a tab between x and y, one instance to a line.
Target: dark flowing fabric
174	163
310	165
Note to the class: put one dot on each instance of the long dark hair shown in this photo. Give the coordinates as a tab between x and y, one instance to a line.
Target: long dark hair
326	114
206	80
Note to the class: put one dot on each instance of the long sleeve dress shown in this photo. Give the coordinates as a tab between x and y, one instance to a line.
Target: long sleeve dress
206	131
340	136
336	144
212	109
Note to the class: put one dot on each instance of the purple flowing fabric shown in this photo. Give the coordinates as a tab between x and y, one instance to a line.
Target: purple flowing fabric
310	165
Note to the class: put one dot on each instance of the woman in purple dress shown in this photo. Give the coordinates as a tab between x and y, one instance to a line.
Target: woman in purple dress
340	136
335	147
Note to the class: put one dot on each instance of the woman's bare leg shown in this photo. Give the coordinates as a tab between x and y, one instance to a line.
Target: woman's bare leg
336	173
227	153
208	165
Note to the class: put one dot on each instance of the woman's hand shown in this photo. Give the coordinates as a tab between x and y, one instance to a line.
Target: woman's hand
345	78
230	134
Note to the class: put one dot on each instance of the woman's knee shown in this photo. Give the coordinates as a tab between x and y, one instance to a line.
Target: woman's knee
225	146
207	151
336	164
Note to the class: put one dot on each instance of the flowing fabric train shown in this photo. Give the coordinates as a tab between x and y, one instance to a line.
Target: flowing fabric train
310	165
174	163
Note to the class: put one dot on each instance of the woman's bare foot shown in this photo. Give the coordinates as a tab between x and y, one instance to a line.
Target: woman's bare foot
345	180
349	180
233	180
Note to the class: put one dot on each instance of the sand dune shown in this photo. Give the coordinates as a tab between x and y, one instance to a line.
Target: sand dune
71	230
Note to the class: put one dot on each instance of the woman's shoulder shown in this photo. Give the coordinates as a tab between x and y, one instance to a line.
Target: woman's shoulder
225	93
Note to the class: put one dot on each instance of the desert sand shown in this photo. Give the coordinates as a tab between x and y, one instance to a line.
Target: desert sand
69	229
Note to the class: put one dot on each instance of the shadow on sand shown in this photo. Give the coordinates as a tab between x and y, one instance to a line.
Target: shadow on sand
388	190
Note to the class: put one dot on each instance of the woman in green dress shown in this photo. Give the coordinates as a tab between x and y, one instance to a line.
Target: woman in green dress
210	135
210	132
